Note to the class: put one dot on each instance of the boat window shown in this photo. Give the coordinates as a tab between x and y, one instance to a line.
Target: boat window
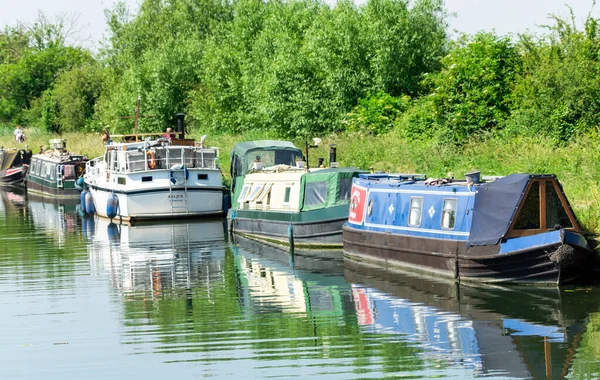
287	194
121	180
416	208
529	215
147	178
449	213
254	192
264	193
345	187
370	207
46	170
52	171
68	172
33	165
244	193
315	193
203	176
556	215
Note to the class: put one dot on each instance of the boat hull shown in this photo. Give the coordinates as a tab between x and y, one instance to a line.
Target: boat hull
13	176
533	264
320	228
41	186
161	203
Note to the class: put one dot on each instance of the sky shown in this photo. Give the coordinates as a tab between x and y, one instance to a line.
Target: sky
502	16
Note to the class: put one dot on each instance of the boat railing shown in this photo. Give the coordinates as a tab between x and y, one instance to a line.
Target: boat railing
154	158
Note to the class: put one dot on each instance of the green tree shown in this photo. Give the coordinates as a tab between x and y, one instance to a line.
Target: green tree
558	93
472	91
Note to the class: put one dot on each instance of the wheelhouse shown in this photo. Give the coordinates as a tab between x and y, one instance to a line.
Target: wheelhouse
270	152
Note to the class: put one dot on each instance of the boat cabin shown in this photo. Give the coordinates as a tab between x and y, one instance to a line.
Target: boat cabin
480	214
122	158
287	188
268	152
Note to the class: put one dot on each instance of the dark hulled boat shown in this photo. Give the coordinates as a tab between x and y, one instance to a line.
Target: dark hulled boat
13	166
278	201
54	172
516	229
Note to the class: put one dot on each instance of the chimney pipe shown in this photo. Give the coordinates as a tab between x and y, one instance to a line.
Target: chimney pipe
180	125
332	156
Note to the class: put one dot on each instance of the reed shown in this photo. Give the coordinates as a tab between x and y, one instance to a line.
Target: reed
575	164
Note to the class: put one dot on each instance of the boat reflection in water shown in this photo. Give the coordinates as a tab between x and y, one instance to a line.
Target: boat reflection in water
12	200
152	257
271	278
523	332
57	218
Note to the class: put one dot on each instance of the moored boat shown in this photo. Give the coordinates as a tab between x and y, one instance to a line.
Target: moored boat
13	166
515	229
54	172
281	202
156	179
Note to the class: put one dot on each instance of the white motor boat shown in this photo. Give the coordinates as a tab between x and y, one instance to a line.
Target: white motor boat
156	179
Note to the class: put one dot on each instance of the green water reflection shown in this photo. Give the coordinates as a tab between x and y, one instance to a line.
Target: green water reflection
189	301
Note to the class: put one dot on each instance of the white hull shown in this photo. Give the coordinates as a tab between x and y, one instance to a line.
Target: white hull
159	198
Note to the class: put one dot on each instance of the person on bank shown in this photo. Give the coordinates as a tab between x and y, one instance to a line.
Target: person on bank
19	135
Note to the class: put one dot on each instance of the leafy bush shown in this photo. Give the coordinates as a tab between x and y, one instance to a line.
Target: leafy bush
472	91
558	92
376	114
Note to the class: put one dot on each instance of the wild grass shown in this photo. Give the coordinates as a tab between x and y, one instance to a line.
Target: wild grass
576	164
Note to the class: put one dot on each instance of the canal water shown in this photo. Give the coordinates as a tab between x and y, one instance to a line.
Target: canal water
82	298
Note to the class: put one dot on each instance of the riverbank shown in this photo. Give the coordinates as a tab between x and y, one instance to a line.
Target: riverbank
575	164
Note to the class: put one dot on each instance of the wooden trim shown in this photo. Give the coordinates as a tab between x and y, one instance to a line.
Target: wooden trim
512	232
542	195
567	206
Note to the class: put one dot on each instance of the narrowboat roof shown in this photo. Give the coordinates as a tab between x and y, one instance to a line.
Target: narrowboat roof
496	204
60	157
285	172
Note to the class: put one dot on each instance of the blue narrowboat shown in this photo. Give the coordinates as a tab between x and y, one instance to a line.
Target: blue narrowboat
514	229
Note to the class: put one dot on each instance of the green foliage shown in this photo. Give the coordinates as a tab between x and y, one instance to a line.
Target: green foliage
76	92
471	92
376	114
403	43
31	62
297	68
420	121
14	42
558	92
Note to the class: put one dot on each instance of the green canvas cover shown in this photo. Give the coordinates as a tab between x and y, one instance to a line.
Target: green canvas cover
325	188
272	152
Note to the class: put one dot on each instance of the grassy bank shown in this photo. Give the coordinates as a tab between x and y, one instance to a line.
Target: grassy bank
576	164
